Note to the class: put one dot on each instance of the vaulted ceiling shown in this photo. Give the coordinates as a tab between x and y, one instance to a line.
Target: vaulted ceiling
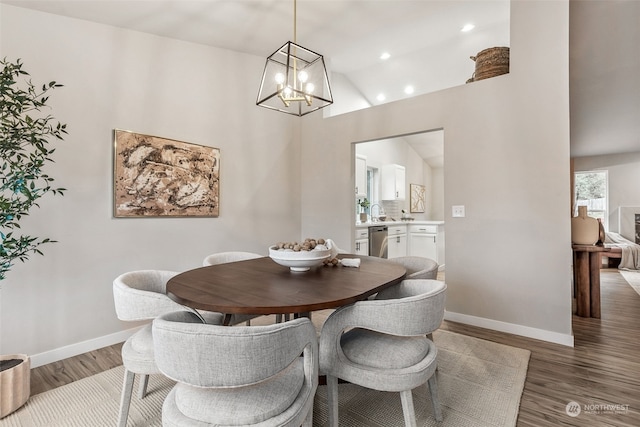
604	76
428	50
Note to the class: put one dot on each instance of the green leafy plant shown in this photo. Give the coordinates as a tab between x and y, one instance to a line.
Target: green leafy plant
26	134
364	203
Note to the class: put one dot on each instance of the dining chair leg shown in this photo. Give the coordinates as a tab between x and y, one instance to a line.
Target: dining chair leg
332	400
308	421
125	398
407	408
430	337
433	390
142	388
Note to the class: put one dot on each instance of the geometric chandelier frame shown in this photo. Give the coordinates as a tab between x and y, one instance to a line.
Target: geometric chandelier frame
295	79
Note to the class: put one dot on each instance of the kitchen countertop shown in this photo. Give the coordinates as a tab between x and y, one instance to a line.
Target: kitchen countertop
398	222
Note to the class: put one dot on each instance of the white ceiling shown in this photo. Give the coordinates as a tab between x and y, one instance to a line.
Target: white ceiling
423	37
429	146
350	34
604	76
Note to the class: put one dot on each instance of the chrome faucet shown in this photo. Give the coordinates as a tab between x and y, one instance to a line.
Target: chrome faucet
380	210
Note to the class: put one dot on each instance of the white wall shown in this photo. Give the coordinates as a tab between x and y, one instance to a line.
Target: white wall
508	261
351	98
623	171
436	209
121	79
417	171
506	154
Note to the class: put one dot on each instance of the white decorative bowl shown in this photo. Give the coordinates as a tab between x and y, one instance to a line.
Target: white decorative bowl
299	261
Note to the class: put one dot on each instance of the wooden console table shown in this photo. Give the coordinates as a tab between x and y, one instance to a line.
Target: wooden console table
586	279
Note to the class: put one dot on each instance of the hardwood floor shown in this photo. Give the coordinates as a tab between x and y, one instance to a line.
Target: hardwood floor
602	369
65	371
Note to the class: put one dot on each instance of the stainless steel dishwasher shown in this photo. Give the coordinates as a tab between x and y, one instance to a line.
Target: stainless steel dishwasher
378	241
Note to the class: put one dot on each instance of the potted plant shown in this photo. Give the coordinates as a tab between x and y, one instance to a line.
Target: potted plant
26	134
364	205
15	385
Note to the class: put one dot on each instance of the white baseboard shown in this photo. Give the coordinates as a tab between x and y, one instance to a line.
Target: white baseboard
511	328
107	340
80	347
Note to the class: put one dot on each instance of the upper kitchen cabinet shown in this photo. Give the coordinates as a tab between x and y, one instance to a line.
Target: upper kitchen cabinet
361	175
393	182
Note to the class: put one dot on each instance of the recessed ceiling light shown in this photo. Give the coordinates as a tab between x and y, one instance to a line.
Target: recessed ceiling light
467	27
408	90
381	97
385	55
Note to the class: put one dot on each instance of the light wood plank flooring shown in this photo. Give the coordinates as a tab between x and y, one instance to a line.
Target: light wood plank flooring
602	369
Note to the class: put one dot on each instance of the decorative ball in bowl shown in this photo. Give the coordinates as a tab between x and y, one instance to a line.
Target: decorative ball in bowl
301	260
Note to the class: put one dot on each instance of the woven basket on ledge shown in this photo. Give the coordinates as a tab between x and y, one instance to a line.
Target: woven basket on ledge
491	62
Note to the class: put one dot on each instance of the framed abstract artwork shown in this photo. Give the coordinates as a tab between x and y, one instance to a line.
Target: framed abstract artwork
416	198
160	177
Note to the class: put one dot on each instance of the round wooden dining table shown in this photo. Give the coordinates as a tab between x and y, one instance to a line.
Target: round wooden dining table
261	286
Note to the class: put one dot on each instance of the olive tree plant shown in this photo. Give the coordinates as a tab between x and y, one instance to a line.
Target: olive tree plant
26	135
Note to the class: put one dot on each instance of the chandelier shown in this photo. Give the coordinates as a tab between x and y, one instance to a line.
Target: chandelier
295	79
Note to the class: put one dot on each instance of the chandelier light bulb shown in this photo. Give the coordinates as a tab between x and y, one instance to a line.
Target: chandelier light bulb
290	77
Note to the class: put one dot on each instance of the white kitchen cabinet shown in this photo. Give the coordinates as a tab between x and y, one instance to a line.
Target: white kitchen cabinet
392	182
423	245
427	241
361	175
397	246
361	246
397	241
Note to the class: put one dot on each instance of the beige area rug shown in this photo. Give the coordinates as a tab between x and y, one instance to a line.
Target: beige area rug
480	384
632	278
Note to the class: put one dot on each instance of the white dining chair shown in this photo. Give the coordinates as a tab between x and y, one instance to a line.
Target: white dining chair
230	256
418	267
381	344
234	256
243	376
140	296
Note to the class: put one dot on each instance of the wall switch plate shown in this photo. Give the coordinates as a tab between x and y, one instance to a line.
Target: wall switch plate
457	211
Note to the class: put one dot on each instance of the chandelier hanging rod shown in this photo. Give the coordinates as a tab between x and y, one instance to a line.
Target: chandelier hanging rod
295	77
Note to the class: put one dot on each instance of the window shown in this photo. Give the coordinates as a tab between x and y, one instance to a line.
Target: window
373	177
591	191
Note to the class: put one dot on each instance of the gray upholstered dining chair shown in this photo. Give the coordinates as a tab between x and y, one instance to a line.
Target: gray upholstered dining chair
418	267
244	375
139	296
381	344
225	257
233	256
